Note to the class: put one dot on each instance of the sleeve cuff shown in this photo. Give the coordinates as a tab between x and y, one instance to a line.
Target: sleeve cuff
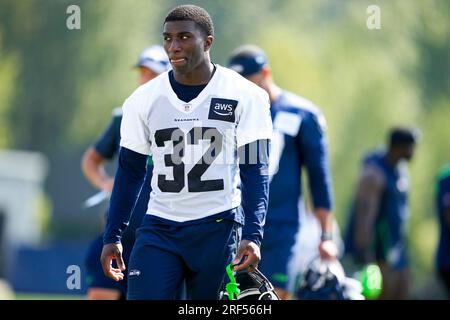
253	238
251	137
142	149
108	240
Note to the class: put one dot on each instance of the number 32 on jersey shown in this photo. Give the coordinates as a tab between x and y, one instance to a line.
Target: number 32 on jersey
180	141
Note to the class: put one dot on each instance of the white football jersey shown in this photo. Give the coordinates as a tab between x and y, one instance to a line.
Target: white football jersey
194	145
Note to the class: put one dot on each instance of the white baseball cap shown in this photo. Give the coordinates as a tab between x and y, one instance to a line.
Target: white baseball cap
154	58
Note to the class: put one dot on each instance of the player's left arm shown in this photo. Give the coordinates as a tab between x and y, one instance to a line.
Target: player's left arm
314	147
254	173
253	134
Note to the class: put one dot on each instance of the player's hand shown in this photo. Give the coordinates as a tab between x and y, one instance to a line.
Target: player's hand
328	250
110	252
107	185
249	254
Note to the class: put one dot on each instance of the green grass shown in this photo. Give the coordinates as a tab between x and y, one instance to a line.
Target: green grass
38	296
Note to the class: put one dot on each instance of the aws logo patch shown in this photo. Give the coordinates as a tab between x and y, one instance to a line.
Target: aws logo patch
222	109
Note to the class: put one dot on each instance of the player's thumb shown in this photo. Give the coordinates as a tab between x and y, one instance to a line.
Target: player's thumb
119	261
239	256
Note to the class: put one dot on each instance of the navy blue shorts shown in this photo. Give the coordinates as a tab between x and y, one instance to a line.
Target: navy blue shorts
95	277
276	252
166	255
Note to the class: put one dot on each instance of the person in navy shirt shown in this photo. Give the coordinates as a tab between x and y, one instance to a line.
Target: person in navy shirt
443	210
377	229
152	61
299	142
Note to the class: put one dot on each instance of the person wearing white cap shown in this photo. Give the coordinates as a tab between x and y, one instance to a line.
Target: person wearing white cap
152	62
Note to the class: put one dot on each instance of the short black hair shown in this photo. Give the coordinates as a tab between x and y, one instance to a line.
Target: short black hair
399	136
190	12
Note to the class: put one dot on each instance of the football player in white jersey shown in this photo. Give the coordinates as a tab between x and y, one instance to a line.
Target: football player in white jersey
208	130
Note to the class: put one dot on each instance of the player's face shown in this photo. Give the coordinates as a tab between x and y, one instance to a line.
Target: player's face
408	151
186	45
145	75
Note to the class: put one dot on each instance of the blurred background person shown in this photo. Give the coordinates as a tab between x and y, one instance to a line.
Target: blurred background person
306	247
377	230
299	142
443	210
152	62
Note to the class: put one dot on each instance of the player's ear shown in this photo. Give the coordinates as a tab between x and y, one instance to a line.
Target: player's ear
266	71
208	43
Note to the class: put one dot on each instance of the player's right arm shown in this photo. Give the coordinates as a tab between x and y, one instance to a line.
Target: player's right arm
368	198
93	168
133	154
94	158
313	146
127	184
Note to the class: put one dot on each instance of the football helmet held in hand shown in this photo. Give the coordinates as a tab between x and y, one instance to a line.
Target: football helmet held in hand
244	285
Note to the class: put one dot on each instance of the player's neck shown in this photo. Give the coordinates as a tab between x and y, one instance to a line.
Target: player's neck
274	92
199	76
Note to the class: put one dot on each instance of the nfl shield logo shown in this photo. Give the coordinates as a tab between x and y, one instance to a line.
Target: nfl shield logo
187	107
